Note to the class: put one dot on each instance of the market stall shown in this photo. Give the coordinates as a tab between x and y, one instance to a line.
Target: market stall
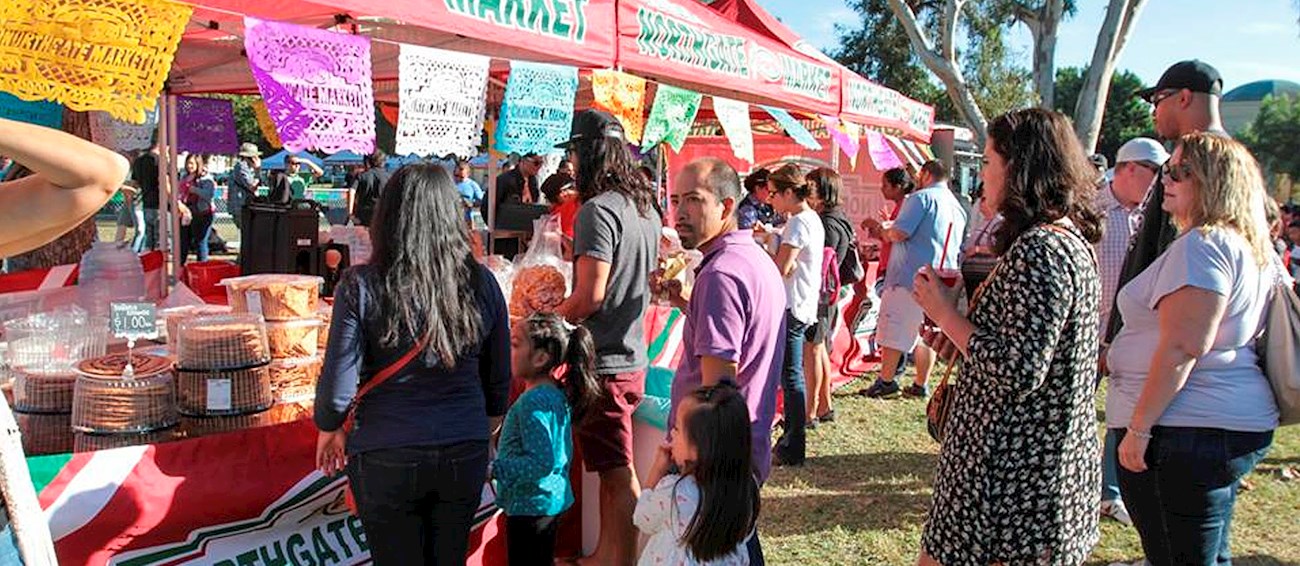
223	473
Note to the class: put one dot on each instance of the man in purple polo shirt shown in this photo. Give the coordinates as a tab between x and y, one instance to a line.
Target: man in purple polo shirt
735	316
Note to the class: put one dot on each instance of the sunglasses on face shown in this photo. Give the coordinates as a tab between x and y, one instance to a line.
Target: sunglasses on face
1177	173
1161	96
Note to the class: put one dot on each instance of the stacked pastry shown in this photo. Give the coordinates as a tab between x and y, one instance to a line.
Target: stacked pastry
43	392
110	399
221	365
294	329
536	288
173	317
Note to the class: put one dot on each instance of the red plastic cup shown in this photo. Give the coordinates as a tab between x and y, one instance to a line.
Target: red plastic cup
950	277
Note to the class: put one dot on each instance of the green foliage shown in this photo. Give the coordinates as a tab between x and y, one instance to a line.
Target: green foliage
1274	138
998	85
880	50
1126	116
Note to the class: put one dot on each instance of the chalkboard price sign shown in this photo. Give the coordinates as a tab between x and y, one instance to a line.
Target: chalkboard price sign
134	320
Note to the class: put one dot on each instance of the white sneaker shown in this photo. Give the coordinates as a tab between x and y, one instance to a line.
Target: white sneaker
1116	510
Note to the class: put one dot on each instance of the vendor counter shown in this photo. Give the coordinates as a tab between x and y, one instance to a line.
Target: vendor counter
235	491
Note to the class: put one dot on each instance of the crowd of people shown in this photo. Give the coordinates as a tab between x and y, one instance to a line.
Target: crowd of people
1152	276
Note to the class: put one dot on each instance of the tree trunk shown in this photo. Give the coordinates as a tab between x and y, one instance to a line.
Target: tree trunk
1044	33
1115	30
942	60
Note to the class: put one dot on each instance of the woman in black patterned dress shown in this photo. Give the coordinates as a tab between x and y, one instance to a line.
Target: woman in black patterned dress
1018	470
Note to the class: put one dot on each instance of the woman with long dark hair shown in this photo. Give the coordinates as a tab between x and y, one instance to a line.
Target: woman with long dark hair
825	199
417	456
615	247
1019	466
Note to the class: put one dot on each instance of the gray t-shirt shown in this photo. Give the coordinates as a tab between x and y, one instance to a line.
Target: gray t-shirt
610	229
1226	389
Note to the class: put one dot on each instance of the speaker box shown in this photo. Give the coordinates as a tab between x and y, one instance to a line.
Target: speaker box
280	239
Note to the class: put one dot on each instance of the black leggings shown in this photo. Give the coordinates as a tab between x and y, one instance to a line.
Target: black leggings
531	540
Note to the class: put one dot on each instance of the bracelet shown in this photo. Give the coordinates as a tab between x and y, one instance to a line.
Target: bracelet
1144	435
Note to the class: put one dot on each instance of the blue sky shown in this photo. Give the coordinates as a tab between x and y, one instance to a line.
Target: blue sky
1247	40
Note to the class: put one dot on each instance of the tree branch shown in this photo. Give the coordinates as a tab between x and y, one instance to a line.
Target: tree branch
948	46
1126	26
943	61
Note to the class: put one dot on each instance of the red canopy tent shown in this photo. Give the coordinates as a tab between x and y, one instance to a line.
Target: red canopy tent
862	100
684	43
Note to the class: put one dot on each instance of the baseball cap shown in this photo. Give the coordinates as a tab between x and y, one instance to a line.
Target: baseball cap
1194	75
1142	149
249	150
593	124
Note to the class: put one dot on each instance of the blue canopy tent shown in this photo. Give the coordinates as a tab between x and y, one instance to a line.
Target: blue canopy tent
482	161
277	161
344	157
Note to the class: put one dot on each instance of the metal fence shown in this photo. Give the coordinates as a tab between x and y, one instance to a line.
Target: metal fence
333	202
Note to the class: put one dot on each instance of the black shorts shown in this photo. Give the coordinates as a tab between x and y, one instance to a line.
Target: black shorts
823	331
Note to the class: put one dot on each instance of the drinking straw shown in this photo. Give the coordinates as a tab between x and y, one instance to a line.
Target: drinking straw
943	257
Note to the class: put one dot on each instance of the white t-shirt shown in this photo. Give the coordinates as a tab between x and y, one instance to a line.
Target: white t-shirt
804	232
1226	388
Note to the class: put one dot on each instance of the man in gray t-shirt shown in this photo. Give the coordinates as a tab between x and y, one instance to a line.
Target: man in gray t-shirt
609	229
616	241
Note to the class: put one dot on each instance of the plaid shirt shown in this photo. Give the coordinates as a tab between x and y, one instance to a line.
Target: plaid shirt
1119	225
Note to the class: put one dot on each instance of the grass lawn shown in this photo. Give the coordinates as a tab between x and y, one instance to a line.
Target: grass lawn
863	495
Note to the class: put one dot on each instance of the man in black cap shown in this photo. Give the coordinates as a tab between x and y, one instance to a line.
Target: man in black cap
615	248
1185	100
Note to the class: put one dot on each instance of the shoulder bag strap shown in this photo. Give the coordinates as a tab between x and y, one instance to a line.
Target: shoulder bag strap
381	377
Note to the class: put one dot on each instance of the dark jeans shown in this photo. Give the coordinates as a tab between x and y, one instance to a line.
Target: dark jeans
150	228
417	503
530	541
791	446
755	548
194	238
1182	505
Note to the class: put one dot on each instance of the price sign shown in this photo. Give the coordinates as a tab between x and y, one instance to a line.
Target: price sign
134	320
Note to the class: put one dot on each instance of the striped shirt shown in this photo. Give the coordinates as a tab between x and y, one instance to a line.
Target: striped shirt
1119	225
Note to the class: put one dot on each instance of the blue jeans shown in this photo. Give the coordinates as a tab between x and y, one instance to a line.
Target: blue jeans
417	503
1110	466
791	447
1182	505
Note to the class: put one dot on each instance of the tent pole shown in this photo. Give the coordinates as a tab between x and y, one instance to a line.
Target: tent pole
173	216
492	200
164	220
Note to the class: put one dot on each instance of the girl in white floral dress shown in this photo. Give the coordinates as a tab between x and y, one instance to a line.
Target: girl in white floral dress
704	512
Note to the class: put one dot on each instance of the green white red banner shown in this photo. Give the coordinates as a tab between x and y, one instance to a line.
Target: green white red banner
872	104
243	498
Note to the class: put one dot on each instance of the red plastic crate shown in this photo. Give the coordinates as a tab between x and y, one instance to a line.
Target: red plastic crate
202	277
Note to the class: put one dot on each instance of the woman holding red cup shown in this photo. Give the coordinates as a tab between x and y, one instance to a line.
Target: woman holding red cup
1020	461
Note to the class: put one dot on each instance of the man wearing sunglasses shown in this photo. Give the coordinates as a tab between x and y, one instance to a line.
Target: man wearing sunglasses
520	184
1185	100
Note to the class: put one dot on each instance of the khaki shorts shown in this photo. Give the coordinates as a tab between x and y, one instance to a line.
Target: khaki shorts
899	325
